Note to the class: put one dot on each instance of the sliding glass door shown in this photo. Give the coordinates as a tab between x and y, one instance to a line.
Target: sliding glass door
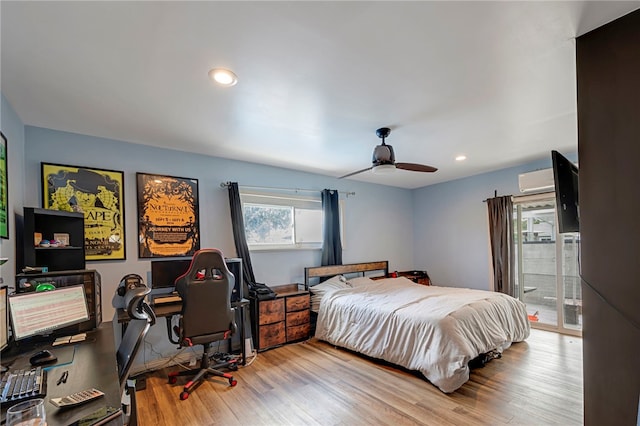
547	266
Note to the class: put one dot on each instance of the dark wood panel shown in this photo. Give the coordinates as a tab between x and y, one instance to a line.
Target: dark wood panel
608	70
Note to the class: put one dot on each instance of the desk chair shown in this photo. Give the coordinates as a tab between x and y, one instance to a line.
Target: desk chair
207	315
142	318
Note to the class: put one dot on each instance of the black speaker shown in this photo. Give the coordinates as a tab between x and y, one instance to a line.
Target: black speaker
235	266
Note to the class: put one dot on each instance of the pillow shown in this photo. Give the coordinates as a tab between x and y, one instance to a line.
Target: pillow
360	281
319	290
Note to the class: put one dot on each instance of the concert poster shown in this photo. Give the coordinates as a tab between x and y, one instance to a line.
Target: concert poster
4	190
168	218
99	195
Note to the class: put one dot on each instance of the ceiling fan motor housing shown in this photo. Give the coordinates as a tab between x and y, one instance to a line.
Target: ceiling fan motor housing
383	154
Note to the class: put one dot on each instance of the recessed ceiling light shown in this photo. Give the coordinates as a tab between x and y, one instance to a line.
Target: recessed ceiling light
223	76
461	157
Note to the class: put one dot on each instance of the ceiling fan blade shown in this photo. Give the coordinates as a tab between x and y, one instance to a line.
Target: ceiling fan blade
415	167
355	173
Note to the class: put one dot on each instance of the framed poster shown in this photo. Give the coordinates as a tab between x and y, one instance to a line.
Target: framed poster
168	218
99	194
4	188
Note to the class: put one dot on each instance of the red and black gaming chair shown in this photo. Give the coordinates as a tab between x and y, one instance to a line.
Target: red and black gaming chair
207	315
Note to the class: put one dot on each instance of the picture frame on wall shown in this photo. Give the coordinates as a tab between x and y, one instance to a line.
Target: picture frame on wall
4	189
99	195
168	216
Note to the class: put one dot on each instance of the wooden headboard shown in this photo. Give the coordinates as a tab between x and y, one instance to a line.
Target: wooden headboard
351	268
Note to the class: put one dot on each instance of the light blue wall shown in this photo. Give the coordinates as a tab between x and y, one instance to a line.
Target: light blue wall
451	228
13	130
365	238
441	228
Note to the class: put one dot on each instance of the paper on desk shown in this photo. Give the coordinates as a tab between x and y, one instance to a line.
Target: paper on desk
65	340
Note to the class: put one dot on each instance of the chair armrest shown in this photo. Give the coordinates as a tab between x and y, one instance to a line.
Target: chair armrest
173	338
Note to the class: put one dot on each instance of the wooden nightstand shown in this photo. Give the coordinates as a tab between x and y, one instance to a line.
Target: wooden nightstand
420	277
282	320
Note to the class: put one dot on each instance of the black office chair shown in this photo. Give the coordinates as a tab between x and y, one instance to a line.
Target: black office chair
206	317
142	318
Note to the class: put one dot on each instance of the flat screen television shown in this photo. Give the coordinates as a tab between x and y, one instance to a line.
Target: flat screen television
165	272
565	176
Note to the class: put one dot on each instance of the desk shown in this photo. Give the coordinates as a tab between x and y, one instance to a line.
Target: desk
168	310
93	366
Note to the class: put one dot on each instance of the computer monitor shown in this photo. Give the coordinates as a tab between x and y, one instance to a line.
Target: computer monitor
165	272
40	313
4	319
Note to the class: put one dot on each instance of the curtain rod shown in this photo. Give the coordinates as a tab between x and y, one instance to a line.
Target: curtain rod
534	195
226	185
495	194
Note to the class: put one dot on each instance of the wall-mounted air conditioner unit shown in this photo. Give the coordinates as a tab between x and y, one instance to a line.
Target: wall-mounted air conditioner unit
539	181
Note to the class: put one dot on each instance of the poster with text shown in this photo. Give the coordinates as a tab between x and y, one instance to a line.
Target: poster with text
99	195
168	220
4	188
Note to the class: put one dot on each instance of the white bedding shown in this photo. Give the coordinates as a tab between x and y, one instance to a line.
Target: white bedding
434	330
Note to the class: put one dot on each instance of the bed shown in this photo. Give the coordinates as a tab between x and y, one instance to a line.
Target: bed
430	329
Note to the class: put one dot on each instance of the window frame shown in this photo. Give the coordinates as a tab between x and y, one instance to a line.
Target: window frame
309	202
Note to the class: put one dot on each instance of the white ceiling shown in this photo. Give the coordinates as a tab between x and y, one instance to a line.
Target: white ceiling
492	80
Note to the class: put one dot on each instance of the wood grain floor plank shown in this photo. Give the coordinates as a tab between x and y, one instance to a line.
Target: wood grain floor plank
537	382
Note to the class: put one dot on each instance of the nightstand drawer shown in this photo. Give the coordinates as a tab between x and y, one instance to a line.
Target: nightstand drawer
297	318
298	332
298	303
272	335
271	311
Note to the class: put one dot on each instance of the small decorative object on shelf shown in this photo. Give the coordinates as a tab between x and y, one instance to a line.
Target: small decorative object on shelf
62	239
45	243
37	238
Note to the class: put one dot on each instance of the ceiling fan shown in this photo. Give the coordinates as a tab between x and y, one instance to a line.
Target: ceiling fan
385	160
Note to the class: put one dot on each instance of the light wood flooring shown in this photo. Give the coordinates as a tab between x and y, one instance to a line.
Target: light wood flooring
537	382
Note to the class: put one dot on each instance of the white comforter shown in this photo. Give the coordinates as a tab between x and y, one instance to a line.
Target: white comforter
435	330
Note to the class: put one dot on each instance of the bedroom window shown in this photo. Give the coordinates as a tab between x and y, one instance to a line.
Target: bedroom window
282	222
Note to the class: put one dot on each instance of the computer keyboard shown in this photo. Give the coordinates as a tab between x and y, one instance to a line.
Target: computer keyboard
19	385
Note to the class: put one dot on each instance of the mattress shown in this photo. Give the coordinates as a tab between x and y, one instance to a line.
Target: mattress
434	330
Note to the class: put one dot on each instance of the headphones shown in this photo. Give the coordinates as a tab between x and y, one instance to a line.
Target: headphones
129	282
45	287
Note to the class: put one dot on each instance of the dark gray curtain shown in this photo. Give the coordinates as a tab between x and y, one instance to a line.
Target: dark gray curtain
502	250
237	223
331	245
